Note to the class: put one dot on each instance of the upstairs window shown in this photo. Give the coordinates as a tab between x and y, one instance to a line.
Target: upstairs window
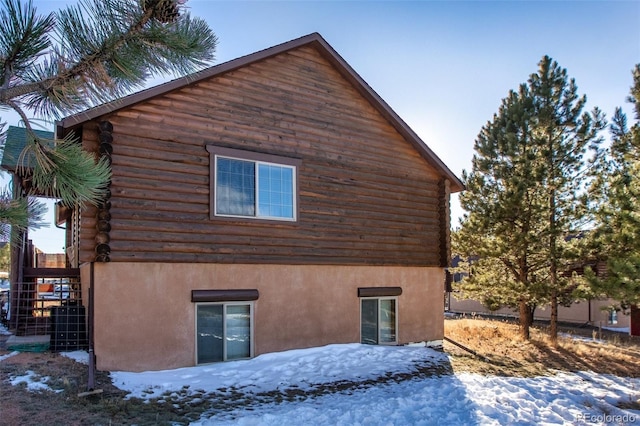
252	185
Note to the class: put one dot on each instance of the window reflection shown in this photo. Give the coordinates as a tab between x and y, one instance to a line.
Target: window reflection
236	184
378	321
223	332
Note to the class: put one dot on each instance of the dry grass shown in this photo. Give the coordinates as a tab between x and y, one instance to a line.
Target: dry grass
501	350
505	353
19	406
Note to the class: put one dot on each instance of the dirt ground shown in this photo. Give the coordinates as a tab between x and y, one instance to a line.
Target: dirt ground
491	347
500	350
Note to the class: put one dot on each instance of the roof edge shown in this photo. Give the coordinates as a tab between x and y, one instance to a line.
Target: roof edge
106	108
388	113
325	50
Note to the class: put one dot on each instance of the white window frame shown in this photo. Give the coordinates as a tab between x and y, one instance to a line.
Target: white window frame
258	159
379	298
224	328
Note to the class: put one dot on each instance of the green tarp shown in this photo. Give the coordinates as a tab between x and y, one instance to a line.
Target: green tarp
14	144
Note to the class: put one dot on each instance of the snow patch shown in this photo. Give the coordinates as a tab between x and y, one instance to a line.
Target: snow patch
465	398
9	355
3	330
625	330
78	356
33	382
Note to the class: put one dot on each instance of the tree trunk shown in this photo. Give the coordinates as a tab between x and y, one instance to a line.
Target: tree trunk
553	329
553	244
532	311
525	320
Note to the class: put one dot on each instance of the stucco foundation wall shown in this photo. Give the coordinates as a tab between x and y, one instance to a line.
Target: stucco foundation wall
145	320
579	313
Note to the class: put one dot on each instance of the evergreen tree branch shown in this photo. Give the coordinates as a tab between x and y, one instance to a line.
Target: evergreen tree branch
111	56
81	56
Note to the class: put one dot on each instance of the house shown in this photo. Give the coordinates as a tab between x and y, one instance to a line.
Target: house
264	204
584	312
593	312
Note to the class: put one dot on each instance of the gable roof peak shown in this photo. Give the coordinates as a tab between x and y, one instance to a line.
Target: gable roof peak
324	49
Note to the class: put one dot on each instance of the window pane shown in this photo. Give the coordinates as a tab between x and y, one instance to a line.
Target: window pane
238	331
275	186
209	329
369	321
387	321
235	187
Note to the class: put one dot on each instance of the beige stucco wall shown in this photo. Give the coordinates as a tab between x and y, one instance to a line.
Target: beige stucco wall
145	320
577	313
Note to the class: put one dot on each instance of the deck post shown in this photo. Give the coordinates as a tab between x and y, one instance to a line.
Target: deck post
91	381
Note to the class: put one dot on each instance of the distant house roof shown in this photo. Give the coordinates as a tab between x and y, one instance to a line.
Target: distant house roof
15	143
315	40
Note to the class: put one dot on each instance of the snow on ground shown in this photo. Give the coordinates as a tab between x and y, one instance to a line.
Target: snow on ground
625	330
584	398
465	399
33	382
78	356
594	333
5	332
581	338
301	368
9	355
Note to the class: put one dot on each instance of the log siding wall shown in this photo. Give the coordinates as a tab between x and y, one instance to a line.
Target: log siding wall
365	196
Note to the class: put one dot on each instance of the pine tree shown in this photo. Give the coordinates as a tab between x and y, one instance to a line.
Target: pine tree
564	132
616	190
5	258
523	195
504	205
81	56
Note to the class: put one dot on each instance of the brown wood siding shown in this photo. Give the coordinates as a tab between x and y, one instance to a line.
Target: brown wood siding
445	230
365	195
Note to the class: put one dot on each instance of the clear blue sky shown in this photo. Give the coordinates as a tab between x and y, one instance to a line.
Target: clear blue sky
442	66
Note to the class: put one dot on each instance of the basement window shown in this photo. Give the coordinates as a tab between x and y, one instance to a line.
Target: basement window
224	331
378	320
